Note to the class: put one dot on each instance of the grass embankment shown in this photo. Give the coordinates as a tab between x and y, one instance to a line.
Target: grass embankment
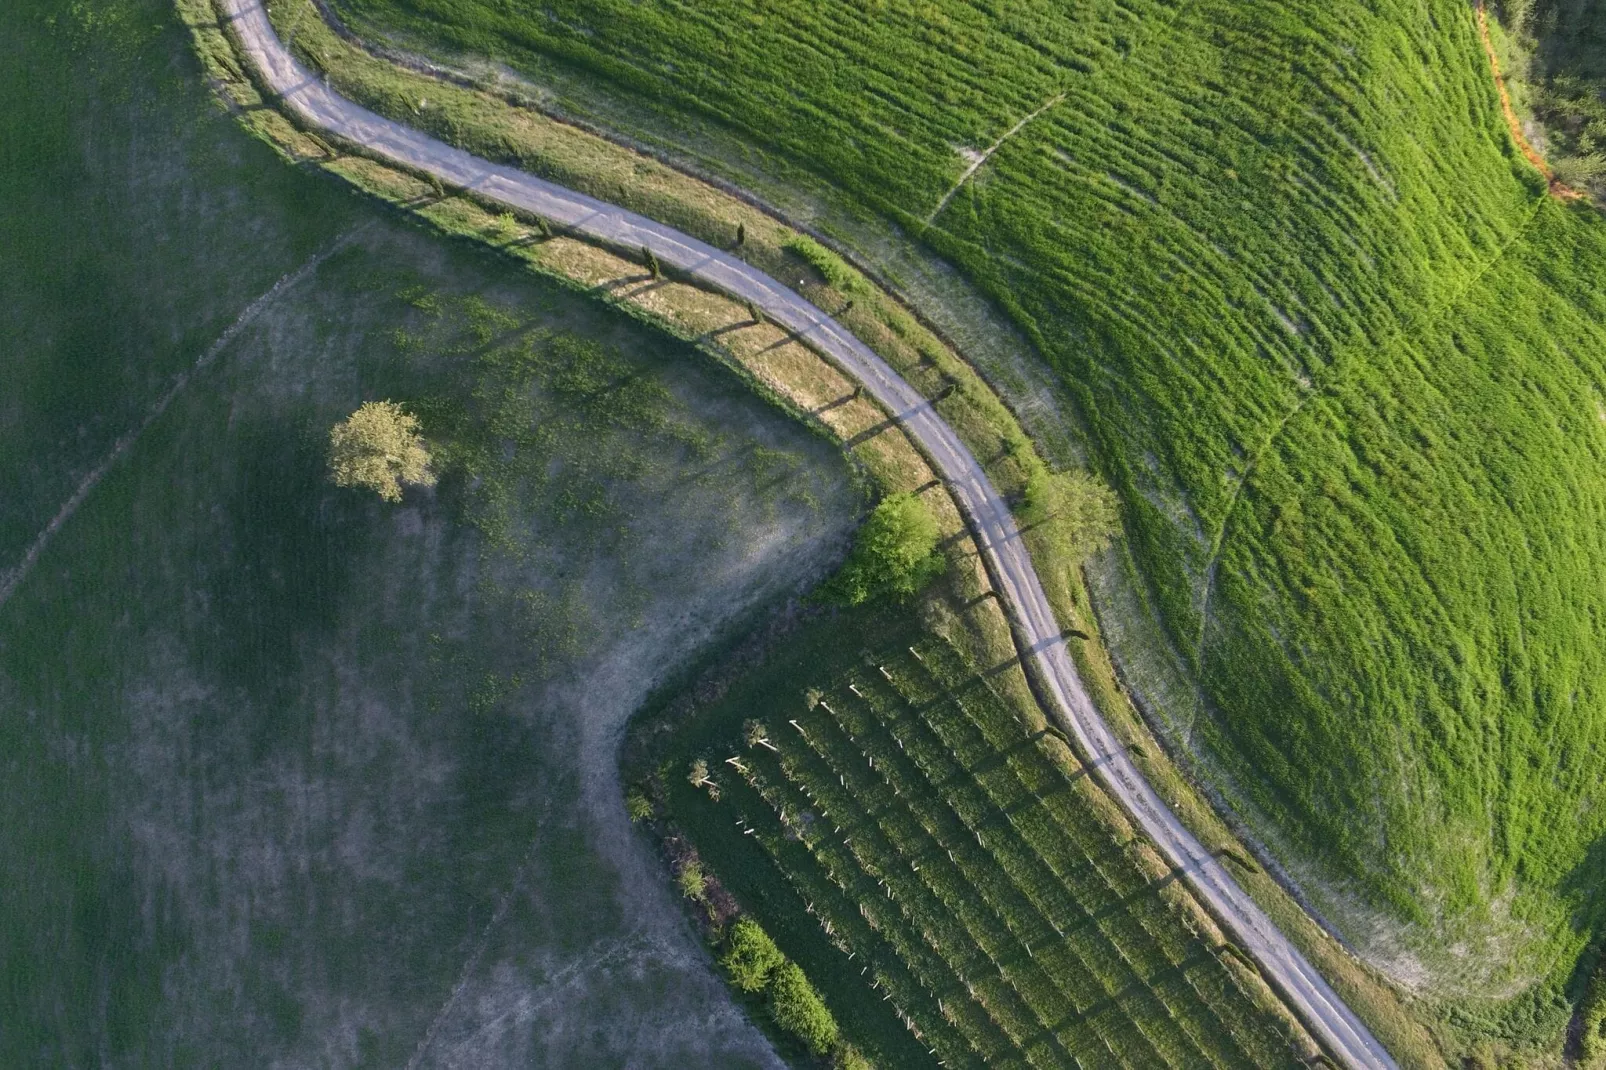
900	825
486	123
1253	241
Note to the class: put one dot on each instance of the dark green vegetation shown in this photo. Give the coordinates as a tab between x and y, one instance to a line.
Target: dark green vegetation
894	554
102	307
798	1009
755	964
751	958
293	776
1328	338
895	825
1562	71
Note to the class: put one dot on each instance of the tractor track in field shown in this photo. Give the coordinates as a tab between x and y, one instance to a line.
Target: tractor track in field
1038	635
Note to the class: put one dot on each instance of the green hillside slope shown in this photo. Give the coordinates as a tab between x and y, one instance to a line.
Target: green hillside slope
1328	337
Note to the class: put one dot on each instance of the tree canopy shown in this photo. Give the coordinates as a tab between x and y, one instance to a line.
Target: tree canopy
1078	511
379	447
894	555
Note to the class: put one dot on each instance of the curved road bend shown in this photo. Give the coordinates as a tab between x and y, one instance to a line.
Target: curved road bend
304	92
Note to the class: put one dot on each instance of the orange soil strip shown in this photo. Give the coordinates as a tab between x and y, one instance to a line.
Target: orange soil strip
1557	188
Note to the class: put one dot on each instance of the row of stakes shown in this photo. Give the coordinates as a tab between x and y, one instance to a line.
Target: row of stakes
836	879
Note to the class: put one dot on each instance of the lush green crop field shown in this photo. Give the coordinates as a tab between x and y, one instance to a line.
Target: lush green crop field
1327	337
292	776
902	830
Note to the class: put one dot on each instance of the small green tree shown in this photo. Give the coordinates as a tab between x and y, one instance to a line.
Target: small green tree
379	447
1073	508
741	234
651	260
692	881
798	1009
894	554
752	956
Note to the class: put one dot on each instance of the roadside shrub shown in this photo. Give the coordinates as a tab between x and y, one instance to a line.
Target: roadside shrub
827	263
894	555
752	958
799	1010
848	1057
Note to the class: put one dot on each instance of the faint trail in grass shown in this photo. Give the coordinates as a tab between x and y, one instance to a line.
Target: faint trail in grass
13	577
467	972
1326	389
981	161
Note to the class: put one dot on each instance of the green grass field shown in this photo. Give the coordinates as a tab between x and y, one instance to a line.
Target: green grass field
906	835
1326	335
294	777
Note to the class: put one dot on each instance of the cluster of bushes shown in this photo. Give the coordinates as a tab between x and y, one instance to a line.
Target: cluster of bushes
754	964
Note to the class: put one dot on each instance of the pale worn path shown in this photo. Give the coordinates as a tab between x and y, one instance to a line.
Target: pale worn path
304	93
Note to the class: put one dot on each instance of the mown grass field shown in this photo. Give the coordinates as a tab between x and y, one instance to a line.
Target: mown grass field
906	835
294	777
1325	333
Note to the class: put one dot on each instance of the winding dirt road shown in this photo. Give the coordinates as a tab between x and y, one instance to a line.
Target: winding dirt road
303	92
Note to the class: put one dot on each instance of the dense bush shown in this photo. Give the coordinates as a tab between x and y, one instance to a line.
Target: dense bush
1565	76
799	1010
894	554
830	266
378	448
752	957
